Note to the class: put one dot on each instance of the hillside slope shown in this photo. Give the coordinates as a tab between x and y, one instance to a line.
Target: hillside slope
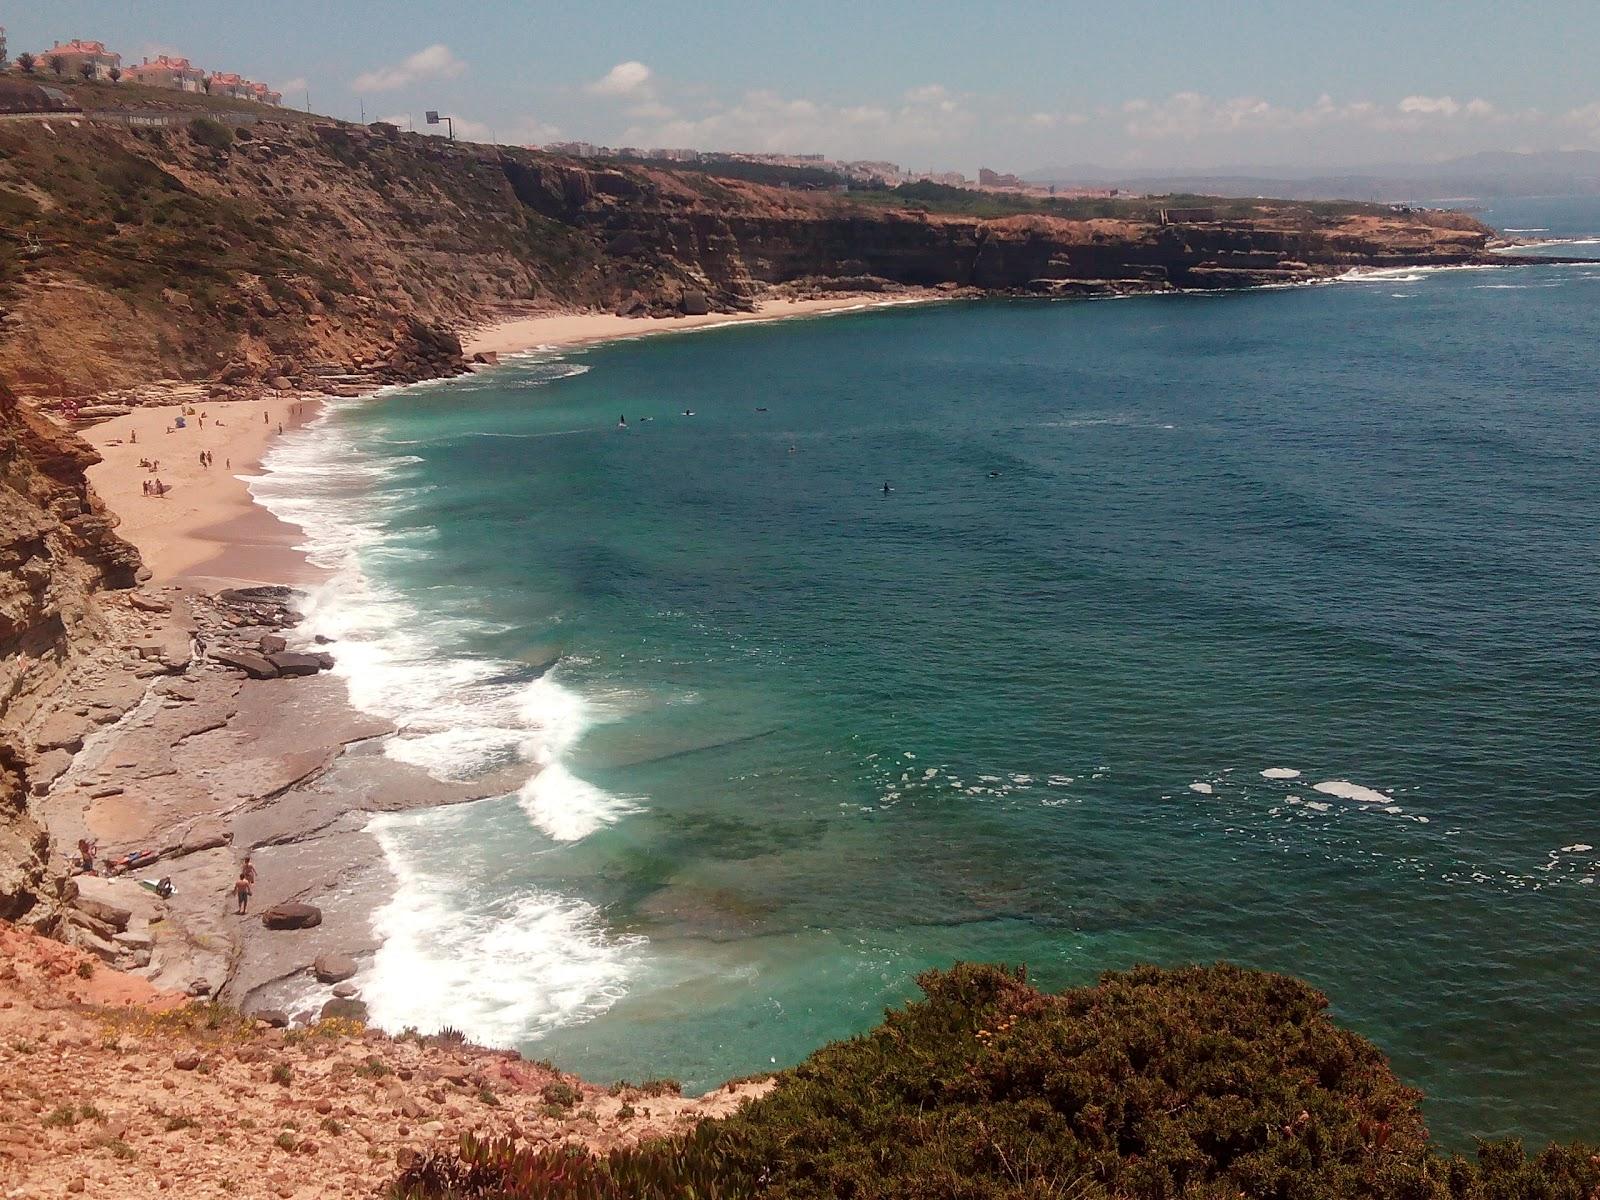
237	257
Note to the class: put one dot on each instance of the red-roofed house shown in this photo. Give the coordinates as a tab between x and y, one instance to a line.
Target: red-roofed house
226	83
265	95
76	53
166	72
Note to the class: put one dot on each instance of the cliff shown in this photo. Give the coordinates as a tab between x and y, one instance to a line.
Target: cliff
238	259
57	548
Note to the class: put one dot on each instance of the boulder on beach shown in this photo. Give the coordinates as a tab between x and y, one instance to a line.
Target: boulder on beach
292	916
346	991
273	643
256	666
274	1017
292	662
102	899
350	1010
333	968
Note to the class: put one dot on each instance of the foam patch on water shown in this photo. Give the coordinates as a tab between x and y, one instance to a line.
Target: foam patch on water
1205	789
1346	790
1280	773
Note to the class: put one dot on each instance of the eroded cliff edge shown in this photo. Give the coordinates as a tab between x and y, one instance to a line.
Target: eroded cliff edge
140	254
57	549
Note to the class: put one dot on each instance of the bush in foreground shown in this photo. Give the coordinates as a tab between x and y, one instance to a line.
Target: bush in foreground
1154	1084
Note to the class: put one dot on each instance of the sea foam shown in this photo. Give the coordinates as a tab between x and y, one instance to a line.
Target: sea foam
501	966
1346	790
458	716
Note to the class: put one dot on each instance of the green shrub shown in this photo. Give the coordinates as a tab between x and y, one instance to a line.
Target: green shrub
1203	1082
501	1169
561	1094
211	133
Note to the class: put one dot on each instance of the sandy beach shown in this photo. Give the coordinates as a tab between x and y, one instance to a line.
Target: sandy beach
555	330
205	525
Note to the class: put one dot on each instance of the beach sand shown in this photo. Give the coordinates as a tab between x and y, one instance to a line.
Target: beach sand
206	526
554	330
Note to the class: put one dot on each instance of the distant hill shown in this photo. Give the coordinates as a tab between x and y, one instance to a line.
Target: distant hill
1488	175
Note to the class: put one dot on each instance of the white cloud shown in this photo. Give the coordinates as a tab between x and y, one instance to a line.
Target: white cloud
293	87
1430	105
626	79
437	61
1191	115
764	120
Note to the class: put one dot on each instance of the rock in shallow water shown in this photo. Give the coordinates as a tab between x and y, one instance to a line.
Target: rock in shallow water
333	968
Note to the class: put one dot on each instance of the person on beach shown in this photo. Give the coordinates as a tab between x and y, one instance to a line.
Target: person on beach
202	458
133	437
86	852
242	888
248	871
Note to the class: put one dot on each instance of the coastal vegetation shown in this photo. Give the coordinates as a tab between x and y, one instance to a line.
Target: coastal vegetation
1196	1082
926	196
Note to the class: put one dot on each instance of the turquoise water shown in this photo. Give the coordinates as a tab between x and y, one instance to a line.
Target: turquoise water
801	739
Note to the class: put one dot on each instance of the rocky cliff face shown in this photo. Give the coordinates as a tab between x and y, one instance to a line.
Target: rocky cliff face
57	548
146	254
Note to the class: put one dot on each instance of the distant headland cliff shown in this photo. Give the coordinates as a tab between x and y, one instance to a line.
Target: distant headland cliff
241	254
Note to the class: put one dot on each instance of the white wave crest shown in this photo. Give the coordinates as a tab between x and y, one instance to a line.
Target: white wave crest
503	968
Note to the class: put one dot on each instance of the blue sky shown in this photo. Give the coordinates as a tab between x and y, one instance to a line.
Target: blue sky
1016	86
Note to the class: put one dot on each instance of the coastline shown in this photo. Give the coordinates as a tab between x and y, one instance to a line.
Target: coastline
556	331
210	766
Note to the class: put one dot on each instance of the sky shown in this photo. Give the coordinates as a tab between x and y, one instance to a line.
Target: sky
1127	84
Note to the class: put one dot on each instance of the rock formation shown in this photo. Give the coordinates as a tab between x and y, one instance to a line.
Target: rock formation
57	548
332	254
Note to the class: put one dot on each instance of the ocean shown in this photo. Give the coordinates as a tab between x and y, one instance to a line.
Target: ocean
1255	626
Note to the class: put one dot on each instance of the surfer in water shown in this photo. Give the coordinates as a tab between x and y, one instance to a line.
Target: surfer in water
886	488
622	421
688	412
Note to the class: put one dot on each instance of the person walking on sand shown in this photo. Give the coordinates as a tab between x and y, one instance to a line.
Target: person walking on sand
248	871
241	890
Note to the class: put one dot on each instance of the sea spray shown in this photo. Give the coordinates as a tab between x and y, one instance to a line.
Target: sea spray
528	958
467	947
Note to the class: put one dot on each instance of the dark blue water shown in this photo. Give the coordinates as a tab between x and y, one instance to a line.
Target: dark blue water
802	738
